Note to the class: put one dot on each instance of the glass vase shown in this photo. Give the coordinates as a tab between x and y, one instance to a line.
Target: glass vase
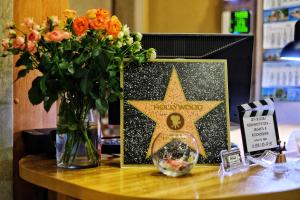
78	138
175	153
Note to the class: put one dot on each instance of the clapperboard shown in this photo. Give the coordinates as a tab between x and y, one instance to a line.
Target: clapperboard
258	126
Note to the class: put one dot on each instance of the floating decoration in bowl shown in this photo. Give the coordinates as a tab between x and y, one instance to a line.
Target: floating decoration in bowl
175	153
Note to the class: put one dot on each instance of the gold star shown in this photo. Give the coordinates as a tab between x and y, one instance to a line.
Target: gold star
175	108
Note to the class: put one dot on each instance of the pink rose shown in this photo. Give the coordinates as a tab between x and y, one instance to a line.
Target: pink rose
19	43
5	44
67	35
34	36
31	47
56	36
28	22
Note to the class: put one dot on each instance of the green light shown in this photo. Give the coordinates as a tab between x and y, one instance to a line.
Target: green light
241	14
240	22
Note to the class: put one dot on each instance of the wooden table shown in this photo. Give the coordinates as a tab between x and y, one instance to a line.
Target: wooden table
109	182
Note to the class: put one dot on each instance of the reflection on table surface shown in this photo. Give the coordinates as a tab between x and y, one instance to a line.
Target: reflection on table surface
111	182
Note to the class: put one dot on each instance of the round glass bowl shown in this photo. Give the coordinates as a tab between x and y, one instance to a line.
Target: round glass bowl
175	154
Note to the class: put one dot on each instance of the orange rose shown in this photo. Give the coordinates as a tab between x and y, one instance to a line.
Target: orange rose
101	19
102	13
80	25
97	24
114	26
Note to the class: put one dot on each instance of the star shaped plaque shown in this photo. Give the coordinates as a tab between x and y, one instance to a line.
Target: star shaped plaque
176	96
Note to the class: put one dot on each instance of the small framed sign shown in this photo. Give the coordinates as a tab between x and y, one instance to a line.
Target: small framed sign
258	126
231	160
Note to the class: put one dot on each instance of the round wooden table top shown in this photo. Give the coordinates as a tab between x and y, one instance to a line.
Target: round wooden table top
109	182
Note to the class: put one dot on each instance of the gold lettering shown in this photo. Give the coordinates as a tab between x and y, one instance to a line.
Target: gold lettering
177	107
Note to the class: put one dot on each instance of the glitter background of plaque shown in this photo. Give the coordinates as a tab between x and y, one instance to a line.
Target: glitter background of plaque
201	80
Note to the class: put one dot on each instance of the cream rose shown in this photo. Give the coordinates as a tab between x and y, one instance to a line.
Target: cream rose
12	33
69	13
28	22
91	13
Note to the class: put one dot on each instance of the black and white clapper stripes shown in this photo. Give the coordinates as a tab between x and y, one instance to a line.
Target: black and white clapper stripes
257	108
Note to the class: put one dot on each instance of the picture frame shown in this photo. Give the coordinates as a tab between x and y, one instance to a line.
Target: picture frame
163	85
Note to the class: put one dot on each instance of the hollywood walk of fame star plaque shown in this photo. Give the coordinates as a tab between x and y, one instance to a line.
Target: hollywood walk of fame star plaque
172	95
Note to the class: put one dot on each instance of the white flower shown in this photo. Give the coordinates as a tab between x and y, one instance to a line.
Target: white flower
119	44
110	37
129	41
10	25
120	35
12	33
125	30
151	54
136	46
28	22
37	27
138	36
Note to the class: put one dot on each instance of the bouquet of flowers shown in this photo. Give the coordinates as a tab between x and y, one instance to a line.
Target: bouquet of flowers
79	59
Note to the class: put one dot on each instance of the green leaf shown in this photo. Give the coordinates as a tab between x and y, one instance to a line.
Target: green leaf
118	60
75	44
22	73
114	83
96	51
140	59
105	57
112	74
49	102
35	94
102	86
44	64
71	69
109	53
43	84
85	84
94	95
55	59
24	59
67	46
81	72
111	67
113	97
64	65
101	105
82	58
54	85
